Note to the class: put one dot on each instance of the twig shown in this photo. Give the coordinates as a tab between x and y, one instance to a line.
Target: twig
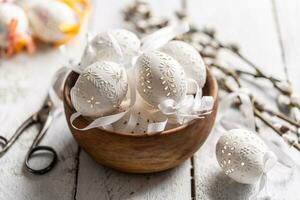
257	108
283	117
255	75
228	72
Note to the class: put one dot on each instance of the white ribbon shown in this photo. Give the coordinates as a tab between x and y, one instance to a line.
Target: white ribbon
245	107
269	159
163	36
55	91
189	109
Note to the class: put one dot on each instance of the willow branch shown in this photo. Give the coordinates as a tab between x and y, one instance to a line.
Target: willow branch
257	109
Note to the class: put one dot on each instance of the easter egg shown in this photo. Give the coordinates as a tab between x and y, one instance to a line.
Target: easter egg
144	115
101	47
240	154
189	59
8	13
51	20
160	77
100	89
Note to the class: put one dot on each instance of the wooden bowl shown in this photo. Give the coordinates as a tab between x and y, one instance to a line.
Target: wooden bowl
142	153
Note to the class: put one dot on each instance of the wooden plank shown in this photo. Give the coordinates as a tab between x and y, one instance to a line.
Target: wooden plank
288	30
24	81
98	182
287	15
251	24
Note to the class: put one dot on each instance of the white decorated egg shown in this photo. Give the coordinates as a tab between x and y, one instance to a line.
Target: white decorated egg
8	13
143	114
101	47
189	59
100	89
160	77
240	154
51	20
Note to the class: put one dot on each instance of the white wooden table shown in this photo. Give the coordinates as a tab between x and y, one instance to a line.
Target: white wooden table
268	32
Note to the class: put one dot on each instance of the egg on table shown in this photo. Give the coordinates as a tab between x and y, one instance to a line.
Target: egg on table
160	77
240	153
100	89
101	47
13	25
53	21
189	59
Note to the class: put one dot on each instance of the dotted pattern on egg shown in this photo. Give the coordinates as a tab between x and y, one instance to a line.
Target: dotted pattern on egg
141	126
162	81
98	84
240	154
189	58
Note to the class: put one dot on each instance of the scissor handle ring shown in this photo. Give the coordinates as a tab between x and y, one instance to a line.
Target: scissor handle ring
47	168
3	141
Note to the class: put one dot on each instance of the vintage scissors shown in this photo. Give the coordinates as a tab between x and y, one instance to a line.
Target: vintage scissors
44	117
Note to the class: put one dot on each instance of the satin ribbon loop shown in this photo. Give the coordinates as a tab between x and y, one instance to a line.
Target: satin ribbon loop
163	36
269	161
168	107
186	111
192	107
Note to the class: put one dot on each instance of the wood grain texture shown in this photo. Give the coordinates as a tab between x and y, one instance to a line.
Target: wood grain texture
287	15
288	34
104	183
25	80
15	183
142	153
250	24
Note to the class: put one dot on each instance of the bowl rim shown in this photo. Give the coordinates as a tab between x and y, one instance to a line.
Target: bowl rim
67	103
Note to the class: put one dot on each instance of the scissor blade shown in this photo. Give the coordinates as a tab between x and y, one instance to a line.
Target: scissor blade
27	123
45	126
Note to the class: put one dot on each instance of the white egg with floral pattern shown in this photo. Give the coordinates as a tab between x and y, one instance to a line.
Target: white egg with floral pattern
100	89
103	47
189	59
240	153
160	77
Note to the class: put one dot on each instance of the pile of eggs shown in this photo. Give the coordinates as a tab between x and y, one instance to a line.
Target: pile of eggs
113	66
49	21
